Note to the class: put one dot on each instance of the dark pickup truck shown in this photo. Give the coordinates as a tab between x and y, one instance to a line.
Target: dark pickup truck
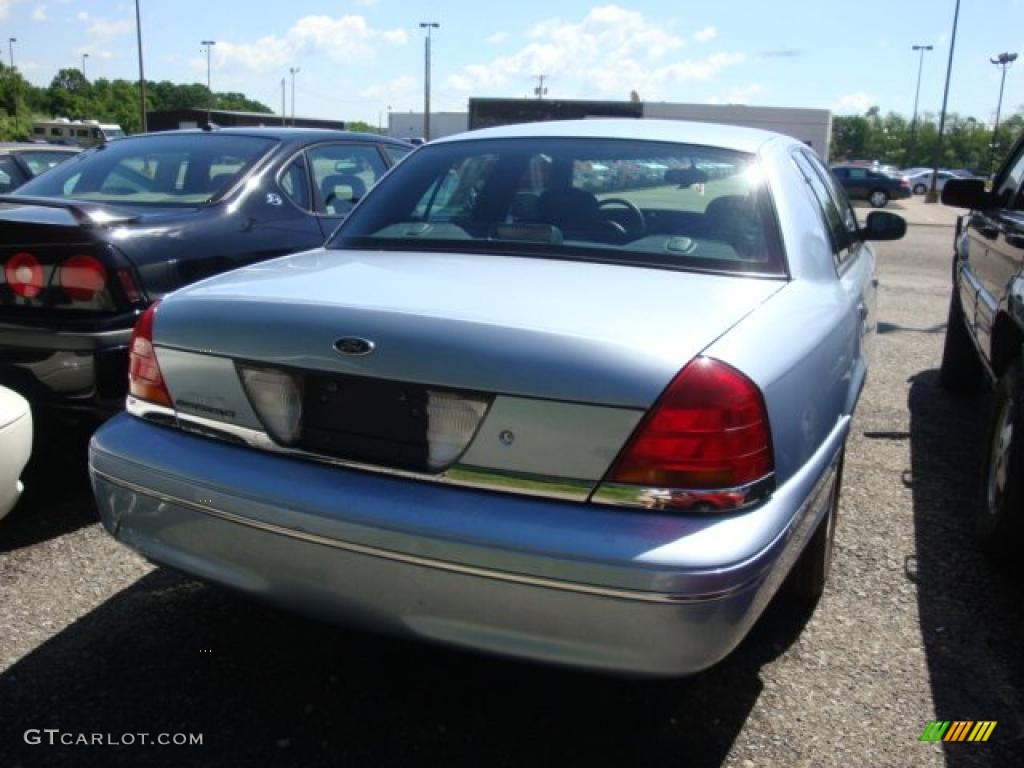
985	335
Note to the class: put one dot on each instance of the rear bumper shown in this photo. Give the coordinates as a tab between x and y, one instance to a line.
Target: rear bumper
548	580
69	370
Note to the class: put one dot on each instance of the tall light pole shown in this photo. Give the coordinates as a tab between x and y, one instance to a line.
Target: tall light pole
917	94
1003	60
84	57
142	74
10	43
427	25
933	194
284	111
294	71
208	46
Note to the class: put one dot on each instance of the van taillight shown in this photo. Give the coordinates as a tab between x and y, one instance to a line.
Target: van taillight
706	444
145	381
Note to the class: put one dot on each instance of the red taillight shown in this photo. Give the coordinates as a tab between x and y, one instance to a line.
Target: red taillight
708	432
82	277
144	378
24	275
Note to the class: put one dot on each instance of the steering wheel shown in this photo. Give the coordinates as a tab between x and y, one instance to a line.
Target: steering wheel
636	225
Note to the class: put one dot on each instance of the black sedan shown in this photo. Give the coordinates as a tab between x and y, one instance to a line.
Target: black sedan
20	162
876	186
90	244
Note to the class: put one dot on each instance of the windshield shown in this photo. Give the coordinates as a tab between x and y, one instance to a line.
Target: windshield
173	169
623	201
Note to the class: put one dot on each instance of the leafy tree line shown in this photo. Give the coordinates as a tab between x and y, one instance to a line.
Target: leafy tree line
892	140
72	96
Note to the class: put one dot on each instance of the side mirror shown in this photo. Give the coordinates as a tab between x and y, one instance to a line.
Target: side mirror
882	225
966	193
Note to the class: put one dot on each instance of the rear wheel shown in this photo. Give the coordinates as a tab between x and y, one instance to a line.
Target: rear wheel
806	582
1000	522
920	189
961	370
878	198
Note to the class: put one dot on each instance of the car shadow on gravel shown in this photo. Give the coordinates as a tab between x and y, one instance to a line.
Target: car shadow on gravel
971	614
56	483
170	655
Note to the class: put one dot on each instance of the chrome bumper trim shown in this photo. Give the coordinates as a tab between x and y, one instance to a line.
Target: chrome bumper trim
426	562
480	478
682	500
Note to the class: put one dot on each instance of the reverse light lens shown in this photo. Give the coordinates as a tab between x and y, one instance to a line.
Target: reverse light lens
145	381
708	431
452	420
24	274
82	277
277	398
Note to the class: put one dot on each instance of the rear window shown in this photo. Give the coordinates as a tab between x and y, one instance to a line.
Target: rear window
182	169
621	201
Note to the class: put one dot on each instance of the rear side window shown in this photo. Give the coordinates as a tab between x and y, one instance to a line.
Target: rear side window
394	153
295	183
840	221
1008	192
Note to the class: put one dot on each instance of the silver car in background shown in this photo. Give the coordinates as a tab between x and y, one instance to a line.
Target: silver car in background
576	392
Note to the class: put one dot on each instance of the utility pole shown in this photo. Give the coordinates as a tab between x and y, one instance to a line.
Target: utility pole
10	42
1003	60
294	71
540	91
142	74
284	111
933	194
427	25
917	94
84	57
209	91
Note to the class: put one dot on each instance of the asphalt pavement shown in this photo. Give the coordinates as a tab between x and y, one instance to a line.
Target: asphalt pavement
915	626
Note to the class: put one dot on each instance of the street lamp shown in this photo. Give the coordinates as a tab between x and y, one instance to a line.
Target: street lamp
10	43
427	25
917	94
1003	61
933	194
294	71
142	75
209	97
84	57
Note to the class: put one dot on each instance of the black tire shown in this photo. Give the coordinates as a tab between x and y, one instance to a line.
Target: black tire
806	581
920	189
961	371
878	198
999	525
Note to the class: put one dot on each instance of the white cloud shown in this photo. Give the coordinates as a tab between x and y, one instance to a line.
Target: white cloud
705	35
366	3
39	13
344	38
744	94
102	29
611	50
95	53
857	103
82	16
396	90
497	37
5	8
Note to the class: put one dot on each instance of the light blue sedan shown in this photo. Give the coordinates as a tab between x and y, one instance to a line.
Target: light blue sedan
512	410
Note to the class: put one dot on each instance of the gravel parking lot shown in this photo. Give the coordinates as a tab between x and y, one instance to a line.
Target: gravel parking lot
914	626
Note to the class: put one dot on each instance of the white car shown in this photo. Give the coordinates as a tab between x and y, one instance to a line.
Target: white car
922	182
15	446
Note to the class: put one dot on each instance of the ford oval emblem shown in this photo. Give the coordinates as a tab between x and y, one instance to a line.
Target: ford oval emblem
354	346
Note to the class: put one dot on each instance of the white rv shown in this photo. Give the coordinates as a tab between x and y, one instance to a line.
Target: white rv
84	133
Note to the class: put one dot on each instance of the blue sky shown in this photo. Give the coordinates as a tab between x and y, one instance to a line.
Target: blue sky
357	57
